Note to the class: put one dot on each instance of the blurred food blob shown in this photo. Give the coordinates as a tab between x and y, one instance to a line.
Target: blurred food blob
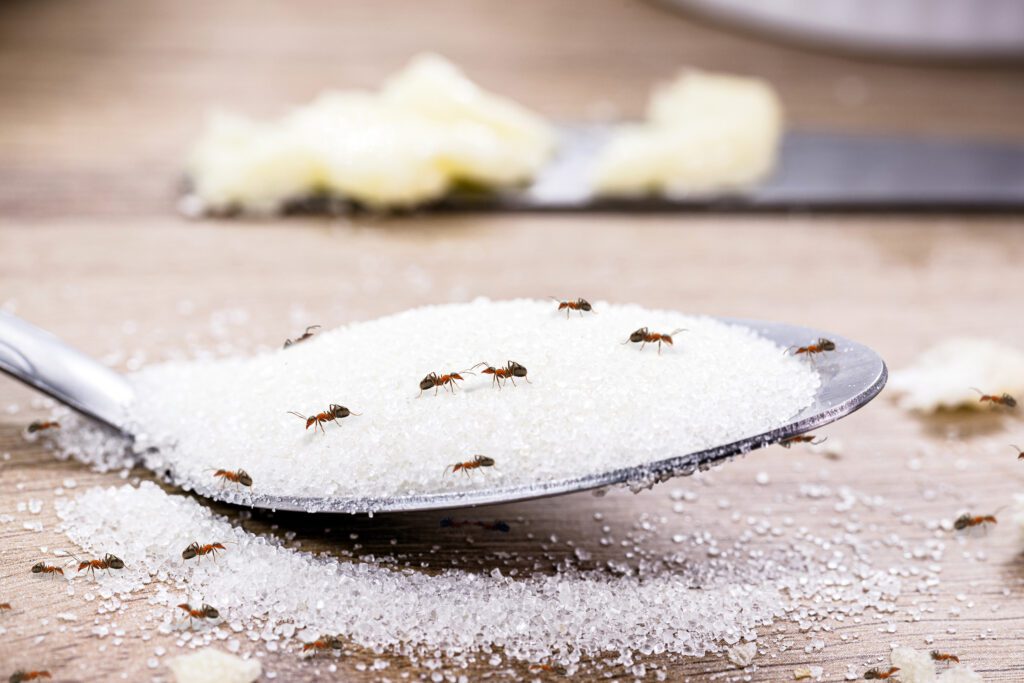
704	133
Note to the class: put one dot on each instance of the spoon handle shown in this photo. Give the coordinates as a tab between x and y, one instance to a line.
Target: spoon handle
47	364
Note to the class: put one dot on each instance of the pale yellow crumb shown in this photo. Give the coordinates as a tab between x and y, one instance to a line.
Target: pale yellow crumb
945	376
705	132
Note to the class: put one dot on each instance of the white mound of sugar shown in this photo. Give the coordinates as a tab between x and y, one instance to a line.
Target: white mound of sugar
287	595
592	404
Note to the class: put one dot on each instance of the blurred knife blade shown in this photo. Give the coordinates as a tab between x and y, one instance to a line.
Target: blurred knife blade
816	171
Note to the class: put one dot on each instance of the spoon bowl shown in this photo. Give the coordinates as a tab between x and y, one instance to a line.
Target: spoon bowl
850	377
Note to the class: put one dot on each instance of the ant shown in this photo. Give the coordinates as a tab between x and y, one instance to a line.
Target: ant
41	425
643	336
43	568
1003	400
942	657
5	606
108	562
477	462
577	305
323	643
196	550
880	675
305	335
204	612
19	676
333	413
820	346
443	380
511	370
966	521
802	438
237	477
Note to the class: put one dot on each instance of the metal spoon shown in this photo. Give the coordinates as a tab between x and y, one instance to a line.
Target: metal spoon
851	376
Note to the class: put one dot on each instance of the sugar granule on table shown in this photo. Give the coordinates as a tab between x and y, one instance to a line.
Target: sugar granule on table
685	605
593	404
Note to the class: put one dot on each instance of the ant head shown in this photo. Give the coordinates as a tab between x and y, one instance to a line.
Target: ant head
427	382
113	561
584	305
189	552
962	522
243	478
827	344
38	567
210	612
638	336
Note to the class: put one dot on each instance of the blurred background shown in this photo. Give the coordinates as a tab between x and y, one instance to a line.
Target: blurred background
99	100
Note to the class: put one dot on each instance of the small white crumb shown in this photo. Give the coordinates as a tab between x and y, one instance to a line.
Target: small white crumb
805	672
944	375
915	666
960	674
742	654
214	666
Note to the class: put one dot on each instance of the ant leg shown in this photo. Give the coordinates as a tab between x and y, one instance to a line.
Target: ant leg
643	345
513	380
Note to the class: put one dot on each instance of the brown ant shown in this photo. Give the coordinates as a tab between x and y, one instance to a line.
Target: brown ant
577	305
942	657
333	413
5	606
820	346
204	612
324	643
108	562
43	568
237	477
305	335
443	380
477	462
966	521
802	438
20	676
196	550
511	370
41	425
643	336
1004	400
876	674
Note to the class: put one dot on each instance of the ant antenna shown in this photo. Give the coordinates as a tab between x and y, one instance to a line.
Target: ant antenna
681	329
978	390
299	415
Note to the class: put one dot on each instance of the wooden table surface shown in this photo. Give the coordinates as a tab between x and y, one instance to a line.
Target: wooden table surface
99	99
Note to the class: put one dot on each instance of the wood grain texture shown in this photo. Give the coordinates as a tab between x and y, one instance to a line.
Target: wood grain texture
99	99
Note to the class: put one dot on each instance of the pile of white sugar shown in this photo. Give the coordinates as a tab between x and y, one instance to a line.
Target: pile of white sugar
592	403
677	606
